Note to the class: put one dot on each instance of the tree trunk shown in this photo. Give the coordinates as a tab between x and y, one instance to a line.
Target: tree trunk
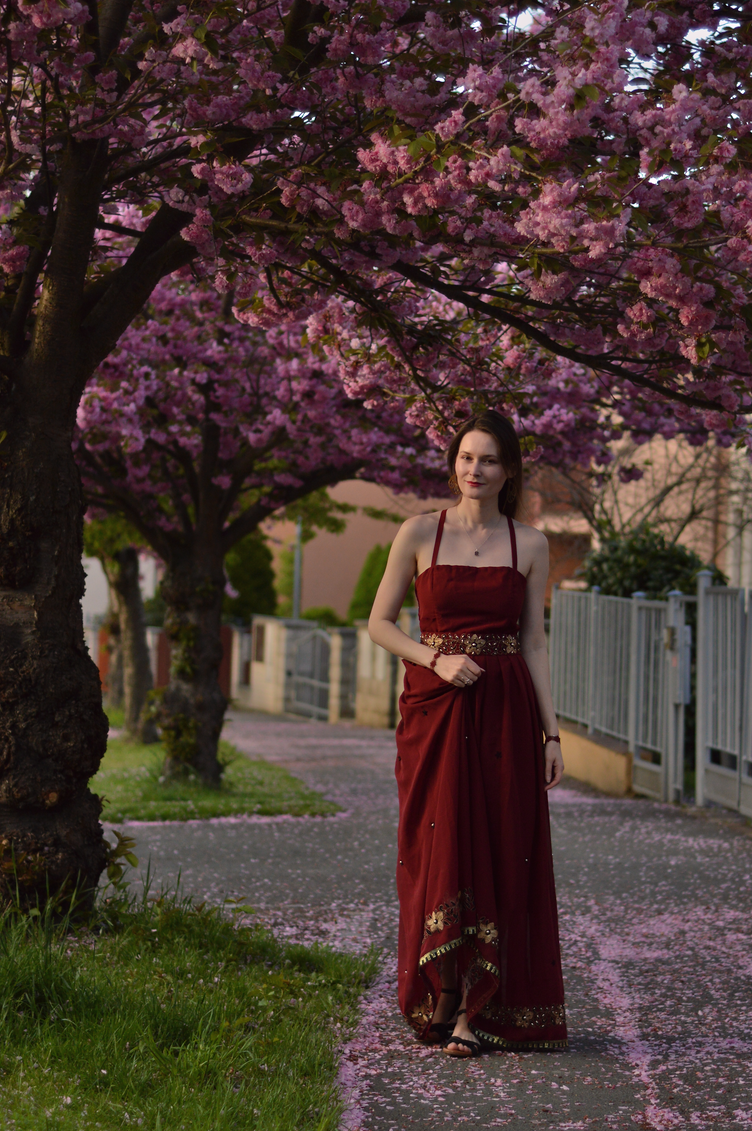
193	706
53	731
122	574
115	692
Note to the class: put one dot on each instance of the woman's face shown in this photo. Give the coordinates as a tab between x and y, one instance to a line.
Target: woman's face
478	467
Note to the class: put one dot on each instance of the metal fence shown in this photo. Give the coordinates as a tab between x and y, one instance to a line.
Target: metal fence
724	667
623	668
610	673
307	670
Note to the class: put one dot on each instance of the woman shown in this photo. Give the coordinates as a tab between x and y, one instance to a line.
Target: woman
478	748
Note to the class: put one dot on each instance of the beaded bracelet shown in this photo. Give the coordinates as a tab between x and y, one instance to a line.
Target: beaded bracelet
433	661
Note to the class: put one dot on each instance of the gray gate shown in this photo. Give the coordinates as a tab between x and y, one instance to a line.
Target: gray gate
609	673
307	685
722	636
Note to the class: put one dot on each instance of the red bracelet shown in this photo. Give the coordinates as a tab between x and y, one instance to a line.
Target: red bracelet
552	738
435	658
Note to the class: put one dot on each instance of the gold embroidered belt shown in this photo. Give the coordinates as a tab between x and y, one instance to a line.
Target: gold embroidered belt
471	643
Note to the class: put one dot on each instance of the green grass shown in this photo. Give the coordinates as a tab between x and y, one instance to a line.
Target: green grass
130	782
116	715
173	1019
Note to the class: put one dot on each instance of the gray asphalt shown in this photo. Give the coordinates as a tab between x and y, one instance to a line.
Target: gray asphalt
655	926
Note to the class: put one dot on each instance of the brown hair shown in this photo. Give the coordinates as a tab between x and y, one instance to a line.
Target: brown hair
502	430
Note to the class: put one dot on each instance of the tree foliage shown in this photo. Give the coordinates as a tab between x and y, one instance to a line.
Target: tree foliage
251	577
571	183
368	582
197	420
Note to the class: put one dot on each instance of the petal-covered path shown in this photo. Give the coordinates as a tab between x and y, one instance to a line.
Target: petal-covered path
656	936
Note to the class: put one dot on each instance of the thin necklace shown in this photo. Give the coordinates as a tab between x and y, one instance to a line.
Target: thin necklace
472	543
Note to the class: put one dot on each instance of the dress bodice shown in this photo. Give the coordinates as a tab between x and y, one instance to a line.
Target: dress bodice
460	598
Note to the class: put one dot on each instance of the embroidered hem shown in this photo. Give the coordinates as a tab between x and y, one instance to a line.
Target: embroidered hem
439	951
452	945
505	1043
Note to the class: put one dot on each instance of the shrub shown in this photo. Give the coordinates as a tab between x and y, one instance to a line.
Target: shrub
643	561
249	571
324	614
368	583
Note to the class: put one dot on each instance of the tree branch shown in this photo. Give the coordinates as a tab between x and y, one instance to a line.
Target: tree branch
119	228
302	16
113	19
27	292
160	251
150	163
598	362
56	331
251	518
241	468
128	64
118	499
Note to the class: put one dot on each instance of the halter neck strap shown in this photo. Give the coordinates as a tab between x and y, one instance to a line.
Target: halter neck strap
437	543
513	540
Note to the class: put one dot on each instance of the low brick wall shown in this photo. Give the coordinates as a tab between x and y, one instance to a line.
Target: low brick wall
597	760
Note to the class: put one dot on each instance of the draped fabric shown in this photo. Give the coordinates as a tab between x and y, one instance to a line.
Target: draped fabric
475	871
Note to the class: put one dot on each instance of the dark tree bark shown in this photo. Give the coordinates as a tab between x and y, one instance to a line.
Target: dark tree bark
193	706
53	731
122	574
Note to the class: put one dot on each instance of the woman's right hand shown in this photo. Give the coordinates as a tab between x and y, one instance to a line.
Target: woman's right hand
459	670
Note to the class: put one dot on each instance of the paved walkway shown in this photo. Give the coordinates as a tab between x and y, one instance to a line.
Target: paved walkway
656	937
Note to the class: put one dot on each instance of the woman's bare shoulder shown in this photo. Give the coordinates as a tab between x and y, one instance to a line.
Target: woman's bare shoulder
531	538
420	527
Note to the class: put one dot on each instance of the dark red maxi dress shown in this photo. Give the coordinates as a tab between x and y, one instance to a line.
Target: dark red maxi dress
475	872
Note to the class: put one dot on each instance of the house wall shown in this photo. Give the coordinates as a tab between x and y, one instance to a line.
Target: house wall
332	562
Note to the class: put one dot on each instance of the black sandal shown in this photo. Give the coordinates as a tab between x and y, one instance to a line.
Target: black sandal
439	1030
475	1048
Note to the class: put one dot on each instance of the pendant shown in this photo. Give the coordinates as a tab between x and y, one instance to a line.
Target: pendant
477	553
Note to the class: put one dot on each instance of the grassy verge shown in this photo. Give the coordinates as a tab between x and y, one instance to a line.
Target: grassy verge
173	1019
130	782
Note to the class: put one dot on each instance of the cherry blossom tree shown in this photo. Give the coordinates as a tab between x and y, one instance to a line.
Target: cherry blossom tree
573	175
196	429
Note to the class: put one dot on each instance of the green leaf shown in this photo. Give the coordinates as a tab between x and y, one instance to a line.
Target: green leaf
517	153
591	92
704	346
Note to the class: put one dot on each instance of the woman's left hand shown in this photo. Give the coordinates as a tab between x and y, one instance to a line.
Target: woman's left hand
554	764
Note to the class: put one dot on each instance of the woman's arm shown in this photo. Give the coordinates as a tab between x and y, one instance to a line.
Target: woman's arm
400	571
533	645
